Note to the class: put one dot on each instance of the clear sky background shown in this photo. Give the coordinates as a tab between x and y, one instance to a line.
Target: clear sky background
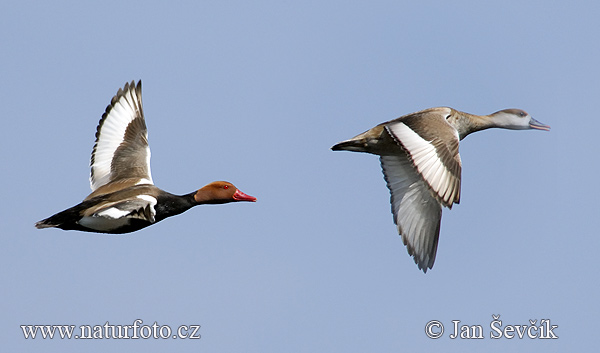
256	94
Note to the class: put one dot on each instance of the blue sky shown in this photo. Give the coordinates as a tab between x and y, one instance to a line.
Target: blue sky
256	94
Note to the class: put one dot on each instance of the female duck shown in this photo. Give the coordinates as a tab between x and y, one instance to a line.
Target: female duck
421	166
124	198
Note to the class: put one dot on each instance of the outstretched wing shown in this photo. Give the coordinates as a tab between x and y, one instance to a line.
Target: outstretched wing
422	179
121	154
417	214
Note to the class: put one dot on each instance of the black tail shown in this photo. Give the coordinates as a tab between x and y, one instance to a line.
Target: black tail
66	219
45	224
50	222
350	145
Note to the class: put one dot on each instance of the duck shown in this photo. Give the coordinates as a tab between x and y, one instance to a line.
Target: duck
421	166
124	198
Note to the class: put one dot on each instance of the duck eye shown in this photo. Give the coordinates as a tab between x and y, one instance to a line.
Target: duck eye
522	114
226	187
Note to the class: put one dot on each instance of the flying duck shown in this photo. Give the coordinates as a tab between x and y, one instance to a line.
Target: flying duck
421	166
124	198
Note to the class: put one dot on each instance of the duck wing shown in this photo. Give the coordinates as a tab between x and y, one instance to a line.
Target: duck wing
110	215
121	155
422	178
417	214
431	144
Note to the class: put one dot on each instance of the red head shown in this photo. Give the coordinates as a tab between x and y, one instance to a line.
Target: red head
221	192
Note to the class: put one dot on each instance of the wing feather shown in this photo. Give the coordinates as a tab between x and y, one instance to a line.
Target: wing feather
121	150
436	160
416	212
112	215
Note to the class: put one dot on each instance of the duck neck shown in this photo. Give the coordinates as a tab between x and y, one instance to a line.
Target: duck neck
466	123
170	205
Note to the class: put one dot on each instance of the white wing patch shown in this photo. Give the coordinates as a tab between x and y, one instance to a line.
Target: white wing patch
144	181
112	134
113	212
417	213
425	158
151	203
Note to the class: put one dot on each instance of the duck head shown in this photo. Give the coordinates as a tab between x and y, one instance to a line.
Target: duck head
221	192
516	119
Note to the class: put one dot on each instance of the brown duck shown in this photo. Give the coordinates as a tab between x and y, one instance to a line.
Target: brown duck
422	167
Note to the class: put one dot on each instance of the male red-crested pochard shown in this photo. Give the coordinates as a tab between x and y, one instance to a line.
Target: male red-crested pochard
124	198
421	166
